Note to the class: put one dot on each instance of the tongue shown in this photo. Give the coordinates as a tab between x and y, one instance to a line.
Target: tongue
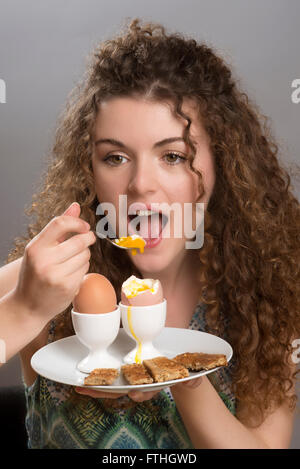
150	227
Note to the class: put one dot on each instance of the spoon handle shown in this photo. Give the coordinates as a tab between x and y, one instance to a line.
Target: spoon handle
112	241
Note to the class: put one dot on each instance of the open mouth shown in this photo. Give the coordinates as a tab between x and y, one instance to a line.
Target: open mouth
147	224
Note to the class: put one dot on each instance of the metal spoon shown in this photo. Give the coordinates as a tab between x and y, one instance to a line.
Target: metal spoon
112	241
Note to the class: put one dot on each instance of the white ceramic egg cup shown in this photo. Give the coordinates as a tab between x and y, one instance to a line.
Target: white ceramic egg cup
97	332
146	323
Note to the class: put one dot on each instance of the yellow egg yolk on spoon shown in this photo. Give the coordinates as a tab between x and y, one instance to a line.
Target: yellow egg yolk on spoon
134	241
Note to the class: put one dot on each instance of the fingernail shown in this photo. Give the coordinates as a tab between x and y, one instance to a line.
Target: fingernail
68	209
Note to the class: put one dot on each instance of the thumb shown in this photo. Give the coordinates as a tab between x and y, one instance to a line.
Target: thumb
193	383
73	210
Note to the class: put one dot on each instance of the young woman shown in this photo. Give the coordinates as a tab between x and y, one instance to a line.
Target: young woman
159	118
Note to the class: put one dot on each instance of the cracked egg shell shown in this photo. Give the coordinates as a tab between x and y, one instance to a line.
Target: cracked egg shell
144	298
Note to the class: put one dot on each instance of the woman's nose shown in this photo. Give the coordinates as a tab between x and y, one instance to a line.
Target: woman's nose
143	178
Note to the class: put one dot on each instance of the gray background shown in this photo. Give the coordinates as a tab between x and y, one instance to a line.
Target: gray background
43	51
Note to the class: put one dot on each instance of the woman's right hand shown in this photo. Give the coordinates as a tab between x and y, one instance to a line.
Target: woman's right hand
54	265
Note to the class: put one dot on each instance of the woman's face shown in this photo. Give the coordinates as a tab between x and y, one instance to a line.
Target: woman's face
147	172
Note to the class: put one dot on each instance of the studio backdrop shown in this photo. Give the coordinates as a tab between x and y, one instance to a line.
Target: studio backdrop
44	48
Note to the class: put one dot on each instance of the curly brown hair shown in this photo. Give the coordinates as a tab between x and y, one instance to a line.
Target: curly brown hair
250	258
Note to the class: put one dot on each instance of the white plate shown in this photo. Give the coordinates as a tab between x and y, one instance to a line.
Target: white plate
57	361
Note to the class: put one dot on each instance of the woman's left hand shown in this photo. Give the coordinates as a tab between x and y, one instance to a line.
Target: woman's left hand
135	395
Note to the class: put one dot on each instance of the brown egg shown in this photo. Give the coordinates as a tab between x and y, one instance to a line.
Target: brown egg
96	295
138	297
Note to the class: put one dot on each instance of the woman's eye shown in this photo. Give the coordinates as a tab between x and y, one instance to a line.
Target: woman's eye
114	160
171	159
175	158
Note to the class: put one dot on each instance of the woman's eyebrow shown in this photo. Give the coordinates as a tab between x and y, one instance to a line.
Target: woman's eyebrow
116	143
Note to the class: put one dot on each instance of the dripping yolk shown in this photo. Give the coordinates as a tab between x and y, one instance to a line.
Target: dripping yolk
138	354
134	287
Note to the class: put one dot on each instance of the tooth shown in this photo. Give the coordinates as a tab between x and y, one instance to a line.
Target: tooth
143	213
146	213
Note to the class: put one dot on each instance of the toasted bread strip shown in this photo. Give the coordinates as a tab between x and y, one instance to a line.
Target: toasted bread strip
163	369
136	373
101	377
201	361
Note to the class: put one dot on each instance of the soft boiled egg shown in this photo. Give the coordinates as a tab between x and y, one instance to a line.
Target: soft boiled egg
141	292
133	241
96	295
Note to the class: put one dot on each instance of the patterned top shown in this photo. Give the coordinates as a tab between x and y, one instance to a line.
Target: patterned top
56	419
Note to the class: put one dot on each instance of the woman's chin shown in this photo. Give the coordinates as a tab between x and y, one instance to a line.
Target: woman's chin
157	260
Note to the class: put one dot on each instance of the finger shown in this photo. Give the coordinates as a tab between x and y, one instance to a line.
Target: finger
98	394
77	278
73	211
59	227
139	396
72	266
73	246
136	396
